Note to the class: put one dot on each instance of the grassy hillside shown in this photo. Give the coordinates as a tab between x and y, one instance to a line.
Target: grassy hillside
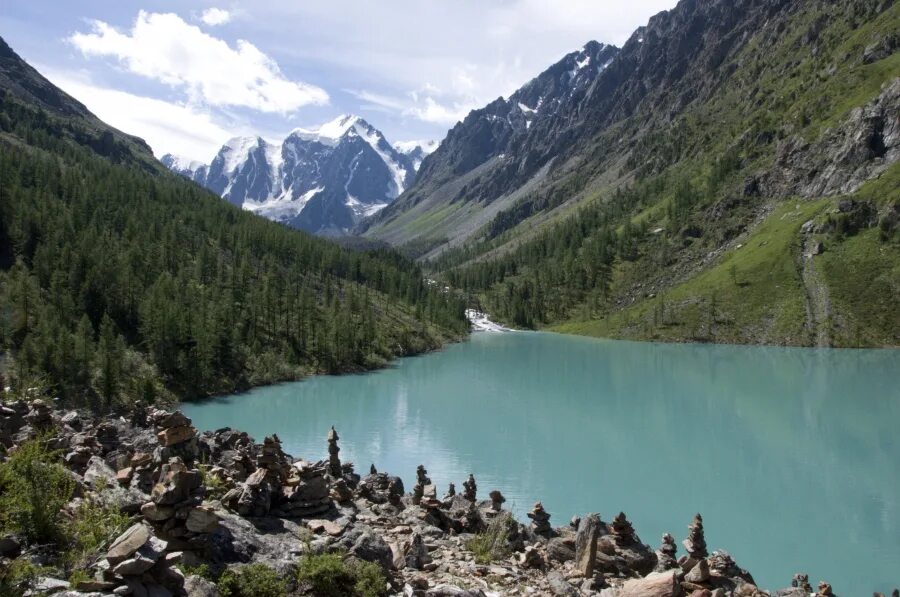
683	221
120	281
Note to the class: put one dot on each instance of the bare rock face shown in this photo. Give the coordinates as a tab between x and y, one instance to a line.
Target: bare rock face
862	147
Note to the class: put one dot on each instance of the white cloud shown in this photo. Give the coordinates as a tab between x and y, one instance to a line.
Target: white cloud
215	16
165	48
434	61
160	123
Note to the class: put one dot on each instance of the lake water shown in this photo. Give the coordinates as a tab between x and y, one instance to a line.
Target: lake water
791	455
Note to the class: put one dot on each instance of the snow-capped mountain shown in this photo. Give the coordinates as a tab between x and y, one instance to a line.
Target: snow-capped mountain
192	169
322	180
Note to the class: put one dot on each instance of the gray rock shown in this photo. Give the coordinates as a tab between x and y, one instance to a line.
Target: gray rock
699	573
586	544
371	547
98	469
197	586
453	591
49	585
202	519
560	586
560	549
128	543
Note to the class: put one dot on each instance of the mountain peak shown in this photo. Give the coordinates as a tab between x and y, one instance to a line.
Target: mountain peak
332	131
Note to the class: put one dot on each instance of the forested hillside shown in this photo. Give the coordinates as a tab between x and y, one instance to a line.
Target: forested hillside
120	280
730	176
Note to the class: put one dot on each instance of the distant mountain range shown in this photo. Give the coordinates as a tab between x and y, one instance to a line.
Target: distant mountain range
323	180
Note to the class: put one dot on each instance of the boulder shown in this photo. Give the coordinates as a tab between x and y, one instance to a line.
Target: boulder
175	435
560	549
128	543
586	544
202	519
97	469
371	547
656	584
699	573
560	586
197	586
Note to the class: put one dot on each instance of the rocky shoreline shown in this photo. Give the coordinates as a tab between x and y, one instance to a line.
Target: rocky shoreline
202	504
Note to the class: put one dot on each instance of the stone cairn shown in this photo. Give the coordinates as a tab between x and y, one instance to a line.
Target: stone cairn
497	500
801	581
451	492
416	553
40	416
334	463
306	493
695	544
372	469
622	530
825	590
176	509
665	556
470	489
540	520
422	481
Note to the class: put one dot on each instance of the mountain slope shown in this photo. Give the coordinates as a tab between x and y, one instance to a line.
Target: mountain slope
451	195
323	180
120	280
643	184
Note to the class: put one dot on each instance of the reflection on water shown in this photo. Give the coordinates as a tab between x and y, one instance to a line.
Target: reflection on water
791	455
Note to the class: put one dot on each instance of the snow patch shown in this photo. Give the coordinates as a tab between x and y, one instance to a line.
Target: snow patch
236	151
282	207
363	210
181	163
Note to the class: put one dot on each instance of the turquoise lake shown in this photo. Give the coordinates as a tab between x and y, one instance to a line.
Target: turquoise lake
791	455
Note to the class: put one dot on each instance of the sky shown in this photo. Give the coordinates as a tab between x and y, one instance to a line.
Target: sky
187	76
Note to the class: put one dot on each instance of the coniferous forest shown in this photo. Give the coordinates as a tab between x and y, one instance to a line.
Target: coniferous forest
120	279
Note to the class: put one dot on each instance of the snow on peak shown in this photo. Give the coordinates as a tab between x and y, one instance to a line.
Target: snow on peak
331	132
236	150
180	163
409	147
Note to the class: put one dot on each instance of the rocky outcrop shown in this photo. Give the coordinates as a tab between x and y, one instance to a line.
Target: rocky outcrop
253	503
863	146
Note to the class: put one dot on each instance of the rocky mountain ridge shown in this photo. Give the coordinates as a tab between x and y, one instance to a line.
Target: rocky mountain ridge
199	509
322	180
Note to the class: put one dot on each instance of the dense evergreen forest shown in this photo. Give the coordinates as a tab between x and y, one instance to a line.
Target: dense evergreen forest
120	281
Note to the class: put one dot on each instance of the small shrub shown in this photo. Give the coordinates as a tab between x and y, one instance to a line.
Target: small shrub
328	575
202	571
215	487
33	489
255	580
491	544
370	580
93	528
17	577
78	576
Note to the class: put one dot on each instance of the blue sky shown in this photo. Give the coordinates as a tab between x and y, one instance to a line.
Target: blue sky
186	76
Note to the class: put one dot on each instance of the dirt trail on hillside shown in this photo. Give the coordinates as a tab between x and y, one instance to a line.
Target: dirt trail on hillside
818	299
